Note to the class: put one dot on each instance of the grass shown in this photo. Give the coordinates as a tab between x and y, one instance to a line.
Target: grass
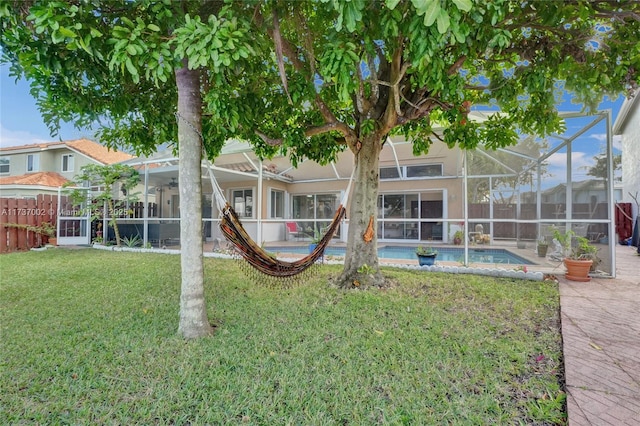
90	337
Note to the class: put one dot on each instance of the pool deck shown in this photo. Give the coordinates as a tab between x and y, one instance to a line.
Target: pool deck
601	345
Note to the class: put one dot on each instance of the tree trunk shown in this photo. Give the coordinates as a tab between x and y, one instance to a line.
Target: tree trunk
361	266
193	310
114	222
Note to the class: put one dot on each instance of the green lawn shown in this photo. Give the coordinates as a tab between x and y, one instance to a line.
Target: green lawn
90	337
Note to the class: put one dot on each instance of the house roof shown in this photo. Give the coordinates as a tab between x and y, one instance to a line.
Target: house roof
50	179
624	115
98	152
589	184
86	147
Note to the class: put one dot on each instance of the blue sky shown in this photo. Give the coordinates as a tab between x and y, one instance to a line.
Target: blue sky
20	120
22	124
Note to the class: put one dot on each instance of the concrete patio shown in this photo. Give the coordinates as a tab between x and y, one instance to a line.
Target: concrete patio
601	339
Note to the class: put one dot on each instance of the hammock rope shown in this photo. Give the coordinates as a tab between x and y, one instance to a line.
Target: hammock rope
255	255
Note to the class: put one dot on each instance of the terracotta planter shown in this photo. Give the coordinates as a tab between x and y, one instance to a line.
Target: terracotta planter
577	270
53	241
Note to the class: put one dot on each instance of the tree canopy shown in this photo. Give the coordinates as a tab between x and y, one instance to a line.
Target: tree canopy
311	79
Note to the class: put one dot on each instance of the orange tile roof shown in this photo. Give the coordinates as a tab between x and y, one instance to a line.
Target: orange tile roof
87	147
50	179
98	152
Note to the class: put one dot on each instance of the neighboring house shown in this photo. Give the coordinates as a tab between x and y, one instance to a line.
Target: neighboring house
627	125
29	170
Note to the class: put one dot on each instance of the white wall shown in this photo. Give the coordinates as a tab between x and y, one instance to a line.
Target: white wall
631	155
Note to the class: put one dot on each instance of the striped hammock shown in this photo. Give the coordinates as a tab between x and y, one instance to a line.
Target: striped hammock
262	260
256	256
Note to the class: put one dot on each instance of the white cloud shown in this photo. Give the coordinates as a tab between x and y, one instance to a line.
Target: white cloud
19	137
578	159
600	137
556	171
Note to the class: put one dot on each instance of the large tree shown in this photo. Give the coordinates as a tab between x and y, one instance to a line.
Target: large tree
347	74
136	70
338	75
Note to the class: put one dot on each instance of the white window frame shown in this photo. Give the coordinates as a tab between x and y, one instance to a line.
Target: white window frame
243	214
35	163
270	206
7	165
70	163
404	172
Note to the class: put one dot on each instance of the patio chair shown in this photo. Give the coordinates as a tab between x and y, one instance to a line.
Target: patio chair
292	229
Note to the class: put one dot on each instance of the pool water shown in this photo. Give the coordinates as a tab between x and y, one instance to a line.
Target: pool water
445	254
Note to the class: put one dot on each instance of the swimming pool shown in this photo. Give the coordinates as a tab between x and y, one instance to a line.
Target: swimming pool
445	254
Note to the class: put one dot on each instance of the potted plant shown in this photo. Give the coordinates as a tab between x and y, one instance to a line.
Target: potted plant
315	239
426	255
46	228
542	247
457	237
579	257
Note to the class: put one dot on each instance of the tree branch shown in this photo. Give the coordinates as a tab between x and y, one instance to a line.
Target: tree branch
311	131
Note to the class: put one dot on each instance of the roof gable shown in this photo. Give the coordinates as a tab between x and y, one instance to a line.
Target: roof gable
86	147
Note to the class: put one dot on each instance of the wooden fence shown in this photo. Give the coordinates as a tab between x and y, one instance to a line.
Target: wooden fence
16	215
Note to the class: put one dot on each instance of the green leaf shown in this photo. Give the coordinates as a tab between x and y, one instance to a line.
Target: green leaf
464	5
443	21
57	37
95	33
153	27
432	12
130	67
391	4
128	21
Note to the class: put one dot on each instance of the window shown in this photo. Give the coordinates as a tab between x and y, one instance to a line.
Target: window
411	172
393	210
389	173
317	206
424	170
398	206
67	163
4	165
276	208
243	202
313	213
33	162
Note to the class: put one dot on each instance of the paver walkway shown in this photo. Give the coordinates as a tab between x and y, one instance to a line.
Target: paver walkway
601	340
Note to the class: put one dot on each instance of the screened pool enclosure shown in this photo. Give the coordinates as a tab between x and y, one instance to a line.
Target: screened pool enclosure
509	198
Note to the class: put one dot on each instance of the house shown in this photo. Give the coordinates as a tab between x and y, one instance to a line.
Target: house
627	125
415	192
29	170
420	198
